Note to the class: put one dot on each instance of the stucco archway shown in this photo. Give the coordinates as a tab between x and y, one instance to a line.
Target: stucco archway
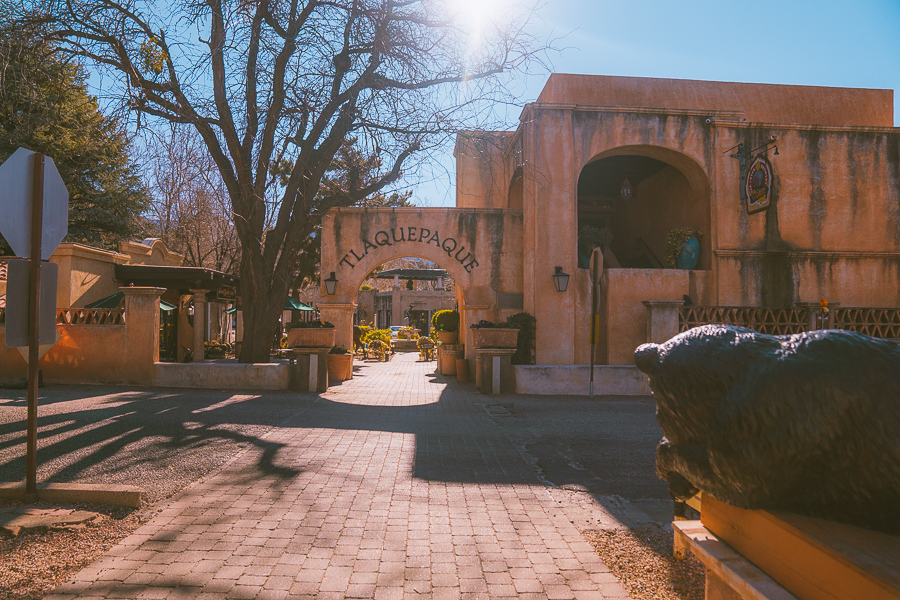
669	190
480	248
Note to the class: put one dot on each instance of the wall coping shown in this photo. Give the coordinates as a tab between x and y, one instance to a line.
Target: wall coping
823	254
142	291
82	251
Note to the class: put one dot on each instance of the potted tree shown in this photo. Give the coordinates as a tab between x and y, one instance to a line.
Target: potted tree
494	335
340	364
310	334
446	323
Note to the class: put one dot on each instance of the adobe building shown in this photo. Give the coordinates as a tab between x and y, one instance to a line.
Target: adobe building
795	190
119	313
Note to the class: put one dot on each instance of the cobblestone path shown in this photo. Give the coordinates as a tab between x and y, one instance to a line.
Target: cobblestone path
397	484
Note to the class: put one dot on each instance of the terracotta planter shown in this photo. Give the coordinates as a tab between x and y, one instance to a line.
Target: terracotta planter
448	337
449	354
495	338
313	337
340	367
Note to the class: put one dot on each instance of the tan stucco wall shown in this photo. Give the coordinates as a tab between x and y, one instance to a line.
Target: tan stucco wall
483	169
626	316
833	229
86	274
98	353
755	101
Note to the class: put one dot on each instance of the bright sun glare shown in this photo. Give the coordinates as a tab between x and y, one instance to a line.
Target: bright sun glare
477	16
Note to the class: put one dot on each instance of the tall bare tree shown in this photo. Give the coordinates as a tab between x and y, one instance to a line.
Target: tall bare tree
278	86
189	209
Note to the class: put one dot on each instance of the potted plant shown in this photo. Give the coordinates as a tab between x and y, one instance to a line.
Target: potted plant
683	248
590	237
446	323
494	335
310	334
380	348
340	364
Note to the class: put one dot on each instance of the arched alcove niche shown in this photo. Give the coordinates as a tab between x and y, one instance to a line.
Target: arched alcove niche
668	190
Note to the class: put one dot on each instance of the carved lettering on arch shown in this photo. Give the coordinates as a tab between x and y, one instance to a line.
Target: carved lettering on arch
412	235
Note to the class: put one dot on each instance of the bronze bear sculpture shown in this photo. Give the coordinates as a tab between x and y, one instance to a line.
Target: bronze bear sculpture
806	423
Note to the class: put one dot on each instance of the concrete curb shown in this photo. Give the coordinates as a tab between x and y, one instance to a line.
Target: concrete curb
116	495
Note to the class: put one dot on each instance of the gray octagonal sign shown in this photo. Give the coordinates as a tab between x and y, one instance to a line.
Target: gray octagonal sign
16	181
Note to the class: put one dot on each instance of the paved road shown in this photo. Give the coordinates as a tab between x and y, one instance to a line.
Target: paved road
398	483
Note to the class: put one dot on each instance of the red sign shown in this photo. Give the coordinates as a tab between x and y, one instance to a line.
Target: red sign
758	185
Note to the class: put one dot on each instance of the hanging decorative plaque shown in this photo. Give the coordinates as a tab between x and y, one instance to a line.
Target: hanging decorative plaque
758	185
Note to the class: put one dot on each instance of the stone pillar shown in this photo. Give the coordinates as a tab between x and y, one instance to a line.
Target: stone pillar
199	323
662	319
342	317
141	333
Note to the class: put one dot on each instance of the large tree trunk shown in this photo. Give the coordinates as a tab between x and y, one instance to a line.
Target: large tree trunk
262	297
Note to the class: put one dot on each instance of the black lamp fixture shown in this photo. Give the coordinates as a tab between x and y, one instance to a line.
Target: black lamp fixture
330	284
560	280
626	191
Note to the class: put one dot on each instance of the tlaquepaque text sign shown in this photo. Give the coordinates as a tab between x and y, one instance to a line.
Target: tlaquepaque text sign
416	235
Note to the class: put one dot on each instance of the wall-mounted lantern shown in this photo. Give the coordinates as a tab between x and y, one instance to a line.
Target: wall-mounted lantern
330	284
560	280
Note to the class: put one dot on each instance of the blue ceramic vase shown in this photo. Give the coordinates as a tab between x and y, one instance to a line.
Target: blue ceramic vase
689	255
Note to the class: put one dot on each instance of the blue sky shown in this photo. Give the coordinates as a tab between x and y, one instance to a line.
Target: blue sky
828	43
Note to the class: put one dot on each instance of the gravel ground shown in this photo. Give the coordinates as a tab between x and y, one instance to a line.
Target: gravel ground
642	560
35	562
160	440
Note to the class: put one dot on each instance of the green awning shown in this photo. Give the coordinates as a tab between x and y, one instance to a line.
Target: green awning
289	304
109	302
115	300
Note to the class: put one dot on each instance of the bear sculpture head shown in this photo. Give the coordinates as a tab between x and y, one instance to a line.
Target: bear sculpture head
806	423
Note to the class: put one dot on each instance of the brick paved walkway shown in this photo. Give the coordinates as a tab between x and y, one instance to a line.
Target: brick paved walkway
393	485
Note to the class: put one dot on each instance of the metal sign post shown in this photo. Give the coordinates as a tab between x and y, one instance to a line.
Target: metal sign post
37	214
596	271
34	203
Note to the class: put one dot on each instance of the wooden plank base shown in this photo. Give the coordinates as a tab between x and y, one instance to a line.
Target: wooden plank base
812	558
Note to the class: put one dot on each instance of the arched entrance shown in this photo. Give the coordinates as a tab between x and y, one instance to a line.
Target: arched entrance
639	194
480	248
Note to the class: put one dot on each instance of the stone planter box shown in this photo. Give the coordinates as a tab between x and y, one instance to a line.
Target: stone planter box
318	337
495	338
448	337
340	367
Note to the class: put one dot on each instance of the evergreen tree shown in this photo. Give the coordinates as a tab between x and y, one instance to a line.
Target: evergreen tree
45	107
